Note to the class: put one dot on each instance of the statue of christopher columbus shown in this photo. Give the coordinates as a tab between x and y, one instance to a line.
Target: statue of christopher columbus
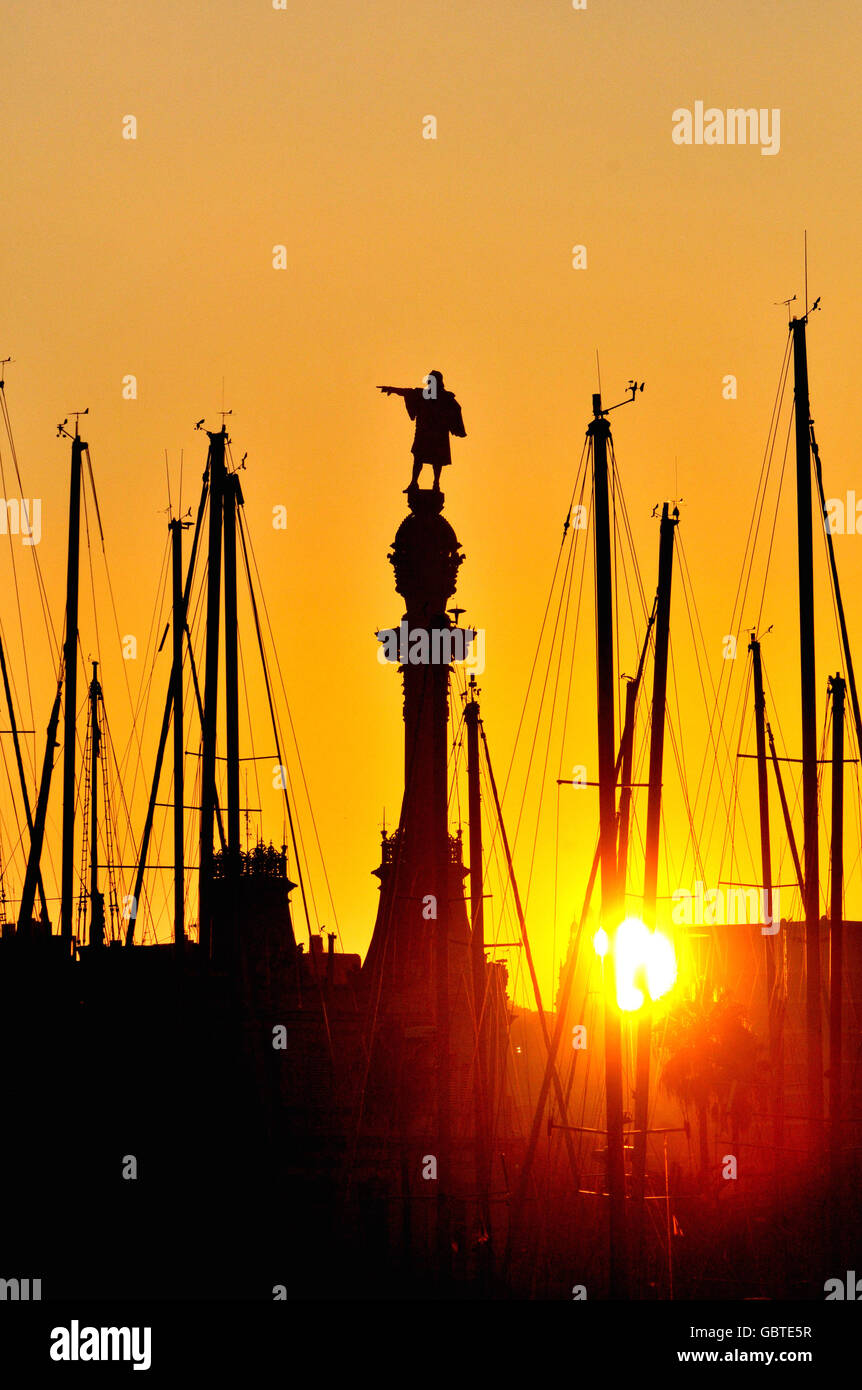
437	415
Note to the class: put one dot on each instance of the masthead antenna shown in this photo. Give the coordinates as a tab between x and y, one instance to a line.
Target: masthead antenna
168	481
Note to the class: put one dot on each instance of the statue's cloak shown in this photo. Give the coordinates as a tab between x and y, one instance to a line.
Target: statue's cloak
435	420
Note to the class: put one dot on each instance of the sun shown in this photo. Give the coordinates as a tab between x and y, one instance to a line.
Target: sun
645	962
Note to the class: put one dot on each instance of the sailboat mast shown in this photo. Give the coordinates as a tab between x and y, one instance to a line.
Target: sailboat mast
474	804
232	497
811	871
208	758
96	915
774	973
653	830
437	690
836	951
179	619
477	952
231	491
599	430
70	662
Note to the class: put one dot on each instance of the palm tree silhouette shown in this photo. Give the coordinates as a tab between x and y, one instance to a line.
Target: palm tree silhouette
715	1065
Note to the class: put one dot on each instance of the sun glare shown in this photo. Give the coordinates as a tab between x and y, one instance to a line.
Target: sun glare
645	962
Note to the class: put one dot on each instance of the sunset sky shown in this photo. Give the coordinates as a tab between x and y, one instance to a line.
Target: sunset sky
303	127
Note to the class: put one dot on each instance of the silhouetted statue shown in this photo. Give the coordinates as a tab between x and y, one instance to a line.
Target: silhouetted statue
437	415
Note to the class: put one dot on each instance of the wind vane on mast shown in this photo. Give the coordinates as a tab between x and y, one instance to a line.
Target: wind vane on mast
787	303
61	428
600	410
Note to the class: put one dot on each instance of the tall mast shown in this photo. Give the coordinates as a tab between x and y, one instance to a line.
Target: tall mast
208	758
811	871
653	830
477	952
232	496
437	677
231	663
70	653
97	920
176	529
599	430
836	945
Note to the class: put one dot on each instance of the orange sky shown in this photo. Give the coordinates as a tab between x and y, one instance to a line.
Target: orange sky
303	127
